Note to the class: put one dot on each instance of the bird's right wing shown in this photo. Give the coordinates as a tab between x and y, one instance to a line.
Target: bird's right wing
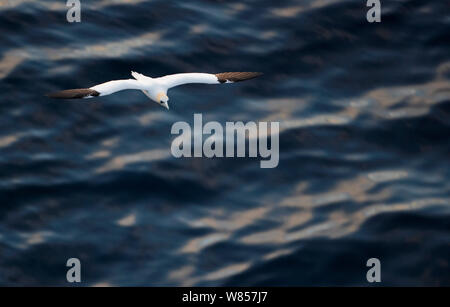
103	89
226	77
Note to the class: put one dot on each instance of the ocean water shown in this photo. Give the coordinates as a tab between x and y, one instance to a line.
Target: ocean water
364	168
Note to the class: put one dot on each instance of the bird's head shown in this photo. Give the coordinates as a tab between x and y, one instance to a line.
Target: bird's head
163	100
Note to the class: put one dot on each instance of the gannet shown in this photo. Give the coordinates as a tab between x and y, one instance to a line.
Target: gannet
154	88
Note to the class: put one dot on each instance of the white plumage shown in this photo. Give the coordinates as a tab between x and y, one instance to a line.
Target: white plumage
180	79
114	86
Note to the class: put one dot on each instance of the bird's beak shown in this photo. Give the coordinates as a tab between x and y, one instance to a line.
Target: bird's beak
166	105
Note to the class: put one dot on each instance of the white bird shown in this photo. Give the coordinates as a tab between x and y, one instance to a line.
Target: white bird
155	88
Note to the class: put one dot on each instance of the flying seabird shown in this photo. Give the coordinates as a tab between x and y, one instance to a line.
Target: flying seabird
154	88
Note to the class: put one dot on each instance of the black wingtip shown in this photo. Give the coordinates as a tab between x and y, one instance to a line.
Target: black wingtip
237	76
74	94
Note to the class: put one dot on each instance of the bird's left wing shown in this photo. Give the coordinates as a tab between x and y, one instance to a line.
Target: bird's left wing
103	89
226	77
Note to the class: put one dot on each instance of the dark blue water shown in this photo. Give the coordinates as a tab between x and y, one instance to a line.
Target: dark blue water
364	169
